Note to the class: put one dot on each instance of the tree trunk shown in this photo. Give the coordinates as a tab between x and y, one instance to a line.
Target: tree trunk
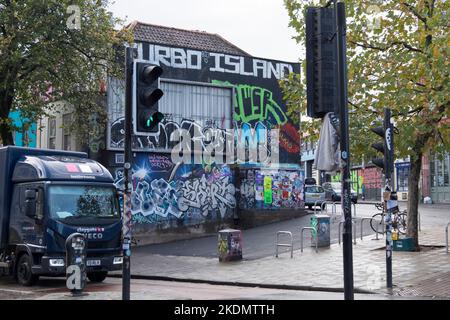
5	129
413	196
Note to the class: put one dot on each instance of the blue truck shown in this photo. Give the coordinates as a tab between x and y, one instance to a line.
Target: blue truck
45	196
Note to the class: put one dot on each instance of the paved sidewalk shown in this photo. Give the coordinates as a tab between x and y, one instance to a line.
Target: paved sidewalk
425	273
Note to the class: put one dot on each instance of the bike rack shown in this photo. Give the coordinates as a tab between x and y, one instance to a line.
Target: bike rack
354	231
334	207
291	245
354	208
376	237
325	203
418	218
315	206
446	237
362	220
301	236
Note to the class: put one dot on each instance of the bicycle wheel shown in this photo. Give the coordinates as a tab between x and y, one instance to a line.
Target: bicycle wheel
401	222
377	223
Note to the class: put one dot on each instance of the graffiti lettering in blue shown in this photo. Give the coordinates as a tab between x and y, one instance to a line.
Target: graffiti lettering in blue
184	192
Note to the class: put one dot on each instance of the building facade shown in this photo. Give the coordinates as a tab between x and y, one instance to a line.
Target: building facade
217	93
211	89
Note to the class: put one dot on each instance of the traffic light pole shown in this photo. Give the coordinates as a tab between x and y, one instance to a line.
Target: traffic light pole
126	227
389	164
345	153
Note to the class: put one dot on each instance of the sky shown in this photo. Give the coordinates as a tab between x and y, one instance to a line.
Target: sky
259	27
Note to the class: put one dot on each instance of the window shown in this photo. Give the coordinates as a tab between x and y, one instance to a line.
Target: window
402	176
67	137
208	106
72	202
52	133
439	170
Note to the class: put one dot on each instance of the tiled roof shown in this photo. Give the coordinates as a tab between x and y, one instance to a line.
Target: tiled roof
199	40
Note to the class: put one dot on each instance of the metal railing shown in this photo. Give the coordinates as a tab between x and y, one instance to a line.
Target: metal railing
446	237
354	231
301	237
291	245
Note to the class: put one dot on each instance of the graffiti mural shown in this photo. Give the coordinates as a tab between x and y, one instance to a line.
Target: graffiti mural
172	194
286	189
254	103
257	96
366	182
257	104
188	193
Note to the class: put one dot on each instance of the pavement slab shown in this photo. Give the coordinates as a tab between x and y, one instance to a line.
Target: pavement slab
322	270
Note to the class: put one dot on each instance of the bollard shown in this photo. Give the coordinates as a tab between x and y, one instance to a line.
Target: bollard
301	236
284	244
354	208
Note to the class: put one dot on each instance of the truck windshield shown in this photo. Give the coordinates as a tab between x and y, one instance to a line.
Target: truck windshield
82	202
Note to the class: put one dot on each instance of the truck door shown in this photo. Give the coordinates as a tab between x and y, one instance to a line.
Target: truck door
25	229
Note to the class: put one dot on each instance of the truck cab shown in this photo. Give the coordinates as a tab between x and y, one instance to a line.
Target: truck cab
50	195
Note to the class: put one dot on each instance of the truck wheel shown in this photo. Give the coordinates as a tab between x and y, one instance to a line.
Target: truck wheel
97	276
23	271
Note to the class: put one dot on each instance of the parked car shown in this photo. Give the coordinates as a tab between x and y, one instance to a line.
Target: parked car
333	192
314	195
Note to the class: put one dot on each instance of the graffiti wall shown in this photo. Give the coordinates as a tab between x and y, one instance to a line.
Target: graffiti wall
168	195
271	189
366	182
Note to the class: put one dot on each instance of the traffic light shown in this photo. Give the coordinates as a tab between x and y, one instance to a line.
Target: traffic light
386	147
146	96
321	61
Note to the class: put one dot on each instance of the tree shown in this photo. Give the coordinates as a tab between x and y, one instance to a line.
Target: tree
56	50
397	54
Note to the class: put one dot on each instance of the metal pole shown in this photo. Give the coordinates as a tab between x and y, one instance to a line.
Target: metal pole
126	228
345	153
389	163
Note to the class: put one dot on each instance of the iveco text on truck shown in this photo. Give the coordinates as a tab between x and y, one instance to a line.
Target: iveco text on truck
47	195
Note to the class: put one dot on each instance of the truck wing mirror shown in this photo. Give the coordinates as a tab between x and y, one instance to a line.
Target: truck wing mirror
30	203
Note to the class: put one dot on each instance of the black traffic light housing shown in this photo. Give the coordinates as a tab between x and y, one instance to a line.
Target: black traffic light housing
386	147
147	94
321	61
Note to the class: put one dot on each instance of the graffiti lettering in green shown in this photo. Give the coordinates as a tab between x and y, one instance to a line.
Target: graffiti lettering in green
255	104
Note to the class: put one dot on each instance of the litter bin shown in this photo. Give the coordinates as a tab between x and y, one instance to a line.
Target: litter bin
229	245
322	223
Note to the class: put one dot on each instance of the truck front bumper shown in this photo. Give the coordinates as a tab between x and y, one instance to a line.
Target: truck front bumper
47	268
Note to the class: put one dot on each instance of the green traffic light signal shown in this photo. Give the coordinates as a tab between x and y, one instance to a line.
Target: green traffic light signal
153	119
147	95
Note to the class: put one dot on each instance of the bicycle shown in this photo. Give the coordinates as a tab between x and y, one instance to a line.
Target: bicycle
398	221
